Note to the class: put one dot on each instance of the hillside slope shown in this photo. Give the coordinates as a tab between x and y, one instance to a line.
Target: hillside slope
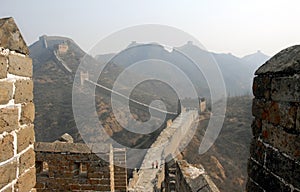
226	161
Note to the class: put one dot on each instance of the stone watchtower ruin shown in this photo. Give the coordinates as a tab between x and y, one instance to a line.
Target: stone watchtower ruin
274	164
17	158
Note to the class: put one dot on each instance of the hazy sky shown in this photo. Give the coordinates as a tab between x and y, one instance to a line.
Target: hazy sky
236	26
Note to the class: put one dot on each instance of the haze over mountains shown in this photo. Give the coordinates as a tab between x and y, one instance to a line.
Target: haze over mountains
56	59
53	81
237	72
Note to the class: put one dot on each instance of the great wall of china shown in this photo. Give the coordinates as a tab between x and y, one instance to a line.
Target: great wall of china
274	164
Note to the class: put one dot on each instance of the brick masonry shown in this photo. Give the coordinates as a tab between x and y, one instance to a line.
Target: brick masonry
274	164
62	166
17	158
183	177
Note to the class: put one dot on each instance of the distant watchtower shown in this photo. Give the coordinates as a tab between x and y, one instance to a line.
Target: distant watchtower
190	42
83	76
62	48
202	104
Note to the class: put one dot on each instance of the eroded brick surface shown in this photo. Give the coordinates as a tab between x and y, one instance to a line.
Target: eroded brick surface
24	91
17	172
28	113
25	137
6	147
26	181
21	66
3	67
8	119
75	167
7	173
6	92
27	160
274	164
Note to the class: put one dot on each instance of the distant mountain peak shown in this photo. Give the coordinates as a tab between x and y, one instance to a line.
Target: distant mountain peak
256	59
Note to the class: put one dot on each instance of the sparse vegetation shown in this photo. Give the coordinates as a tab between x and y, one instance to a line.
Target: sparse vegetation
226	161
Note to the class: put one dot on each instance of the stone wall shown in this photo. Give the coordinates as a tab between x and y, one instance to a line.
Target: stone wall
274	164
17	170
182	177
75	167
168	142
120	170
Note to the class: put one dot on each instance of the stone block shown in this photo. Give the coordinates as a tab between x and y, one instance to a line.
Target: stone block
24	91
8	119
10	36
6	147
258	151
283	114
277	113
262	87
298	121
280	139
26	181
256	127
260	108
27	160
287	115
284	167
27	113
265	179
251	186
286	89
7	173
25	137
3	67
6	92
21	66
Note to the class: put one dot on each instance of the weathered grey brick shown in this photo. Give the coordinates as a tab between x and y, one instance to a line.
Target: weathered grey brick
258	151
260	108
256	127
284	167
262	87
280	139
298	120
265	179
251	187
286	89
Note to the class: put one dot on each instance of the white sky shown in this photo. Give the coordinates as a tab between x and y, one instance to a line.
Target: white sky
237	26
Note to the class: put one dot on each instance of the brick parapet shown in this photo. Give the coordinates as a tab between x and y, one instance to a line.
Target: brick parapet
274	164
17	170
79	167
